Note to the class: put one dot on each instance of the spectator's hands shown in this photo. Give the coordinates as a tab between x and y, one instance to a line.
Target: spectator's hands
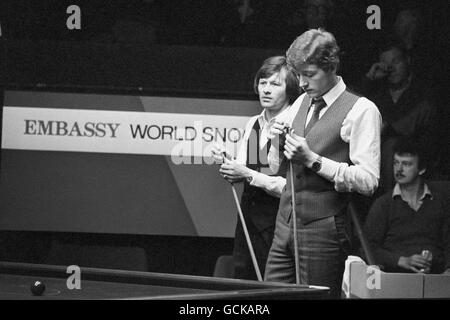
233	171
377	71
414	263
297	150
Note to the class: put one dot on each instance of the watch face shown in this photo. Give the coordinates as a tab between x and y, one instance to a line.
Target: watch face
316	166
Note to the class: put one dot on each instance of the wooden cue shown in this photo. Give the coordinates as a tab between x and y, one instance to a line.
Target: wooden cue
247	236
294	223
244	227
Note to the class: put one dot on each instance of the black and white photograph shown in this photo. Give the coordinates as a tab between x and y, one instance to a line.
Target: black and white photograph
225	154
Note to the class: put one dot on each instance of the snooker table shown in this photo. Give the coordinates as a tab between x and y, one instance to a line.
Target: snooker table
16	279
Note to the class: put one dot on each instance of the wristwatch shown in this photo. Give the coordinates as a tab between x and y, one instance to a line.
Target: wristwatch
317	164
249	179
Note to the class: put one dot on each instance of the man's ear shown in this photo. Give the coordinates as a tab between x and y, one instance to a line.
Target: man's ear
334	70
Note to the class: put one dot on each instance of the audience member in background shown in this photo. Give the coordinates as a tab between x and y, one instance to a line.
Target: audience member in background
247	25
277	87
411	218
405	103
318	13
300	16
409	28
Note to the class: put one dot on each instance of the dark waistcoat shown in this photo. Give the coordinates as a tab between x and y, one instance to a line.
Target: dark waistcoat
315	196
257	205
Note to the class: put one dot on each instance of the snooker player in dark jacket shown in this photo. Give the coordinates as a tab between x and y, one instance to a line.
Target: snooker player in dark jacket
277	87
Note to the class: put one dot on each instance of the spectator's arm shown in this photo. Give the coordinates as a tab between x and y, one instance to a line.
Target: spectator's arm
420	121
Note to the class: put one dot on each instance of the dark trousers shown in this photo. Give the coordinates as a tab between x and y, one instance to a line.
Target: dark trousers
261	242
323	247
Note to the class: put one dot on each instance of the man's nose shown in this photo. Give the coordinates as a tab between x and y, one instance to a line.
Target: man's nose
266	88
303	83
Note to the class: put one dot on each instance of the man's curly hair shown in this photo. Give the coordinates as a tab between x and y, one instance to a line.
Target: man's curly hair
314	46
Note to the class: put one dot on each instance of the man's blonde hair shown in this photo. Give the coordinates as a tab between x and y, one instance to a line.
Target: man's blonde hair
315	46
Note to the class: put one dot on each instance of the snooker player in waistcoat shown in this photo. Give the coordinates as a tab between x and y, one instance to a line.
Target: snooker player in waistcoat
334	147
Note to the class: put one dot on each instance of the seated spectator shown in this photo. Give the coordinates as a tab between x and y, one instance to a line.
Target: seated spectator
405	103
409	28
412	217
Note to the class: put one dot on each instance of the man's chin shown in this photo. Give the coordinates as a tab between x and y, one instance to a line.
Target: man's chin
312	94
402	181
395	83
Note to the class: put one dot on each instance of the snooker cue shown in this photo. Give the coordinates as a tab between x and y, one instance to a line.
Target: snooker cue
247	236
244	227
361	236
294	223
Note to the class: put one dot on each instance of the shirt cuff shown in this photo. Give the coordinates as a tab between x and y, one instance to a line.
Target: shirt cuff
329	169
273	185
257	179
254	175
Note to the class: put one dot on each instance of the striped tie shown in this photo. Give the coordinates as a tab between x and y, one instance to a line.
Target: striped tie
318	104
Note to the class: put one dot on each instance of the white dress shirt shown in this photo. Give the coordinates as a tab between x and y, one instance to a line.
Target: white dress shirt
273	185
361	129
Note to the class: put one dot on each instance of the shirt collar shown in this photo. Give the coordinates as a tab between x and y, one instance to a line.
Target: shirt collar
426	191
282	115
332	94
